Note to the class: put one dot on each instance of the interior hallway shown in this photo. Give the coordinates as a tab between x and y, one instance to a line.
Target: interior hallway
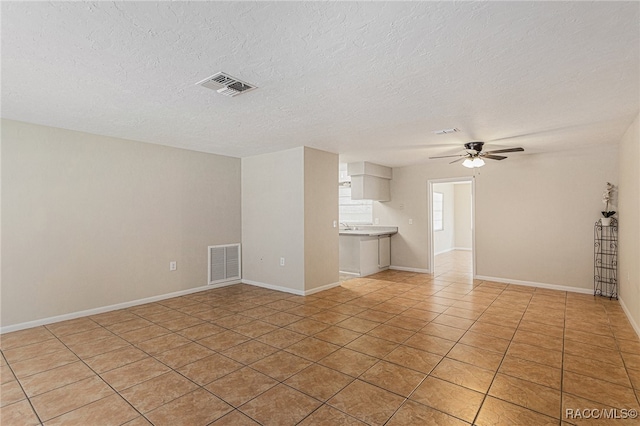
397	348
457	263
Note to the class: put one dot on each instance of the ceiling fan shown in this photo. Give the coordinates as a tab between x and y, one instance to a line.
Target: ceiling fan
475	155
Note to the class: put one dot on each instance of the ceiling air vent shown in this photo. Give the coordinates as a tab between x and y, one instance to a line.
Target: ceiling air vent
446	131
226	85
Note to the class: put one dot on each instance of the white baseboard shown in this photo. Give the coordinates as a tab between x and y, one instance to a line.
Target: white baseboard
404	268
321	288
629	317
535	284
452	249
291	290
274	287
102	309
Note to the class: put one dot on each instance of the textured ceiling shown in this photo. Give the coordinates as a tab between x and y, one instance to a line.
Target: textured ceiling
370	81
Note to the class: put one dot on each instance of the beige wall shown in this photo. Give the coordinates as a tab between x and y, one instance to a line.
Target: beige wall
321	247
409	190
273	219
289	203
629	223
534	214
91	221
463	237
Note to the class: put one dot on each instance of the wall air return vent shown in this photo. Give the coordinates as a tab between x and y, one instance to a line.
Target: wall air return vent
226	85
224	263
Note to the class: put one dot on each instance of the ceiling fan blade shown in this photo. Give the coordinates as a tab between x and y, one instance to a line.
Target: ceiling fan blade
455	161
447	156
499	151
412	147
537	133
494	157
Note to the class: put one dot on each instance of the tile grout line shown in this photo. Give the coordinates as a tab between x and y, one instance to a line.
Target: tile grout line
95	373
405	398
133	345
202	387
151	356
561	366
234	408
624	362
28	399
354	378
564	332
619	352
308	336
367	307
484	397
442	357
503	356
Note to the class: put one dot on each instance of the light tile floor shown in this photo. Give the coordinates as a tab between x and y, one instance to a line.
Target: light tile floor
396	348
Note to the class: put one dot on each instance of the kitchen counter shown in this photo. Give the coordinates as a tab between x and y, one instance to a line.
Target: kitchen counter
369	231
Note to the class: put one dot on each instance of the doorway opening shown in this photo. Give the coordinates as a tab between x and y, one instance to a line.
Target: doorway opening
451	226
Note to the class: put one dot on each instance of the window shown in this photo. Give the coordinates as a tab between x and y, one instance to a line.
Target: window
354	211
438	206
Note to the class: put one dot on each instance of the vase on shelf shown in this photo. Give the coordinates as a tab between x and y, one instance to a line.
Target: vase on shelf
605	221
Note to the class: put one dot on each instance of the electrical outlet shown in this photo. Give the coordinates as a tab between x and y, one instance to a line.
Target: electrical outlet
282	261
335	223
376	221
410	221
173	266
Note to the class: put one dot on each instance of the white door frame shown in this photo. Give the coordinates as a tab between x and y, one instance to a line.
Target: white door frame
430	183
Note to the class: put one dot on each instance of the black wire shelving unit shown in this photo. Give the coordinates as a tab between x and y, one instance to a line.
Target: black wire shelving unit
605	259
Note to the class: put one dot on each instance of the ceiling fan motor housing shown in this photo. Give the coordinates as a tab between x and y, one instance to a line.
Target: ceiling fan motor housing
476	146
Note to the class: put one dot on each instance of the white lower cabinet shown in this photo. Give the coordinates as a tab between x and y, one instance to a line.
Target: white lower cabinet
364	255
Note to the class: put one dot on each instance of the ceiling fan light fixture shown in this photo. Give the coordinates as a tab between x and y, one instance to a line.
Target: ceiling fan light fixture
478	162
474	162
475	155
